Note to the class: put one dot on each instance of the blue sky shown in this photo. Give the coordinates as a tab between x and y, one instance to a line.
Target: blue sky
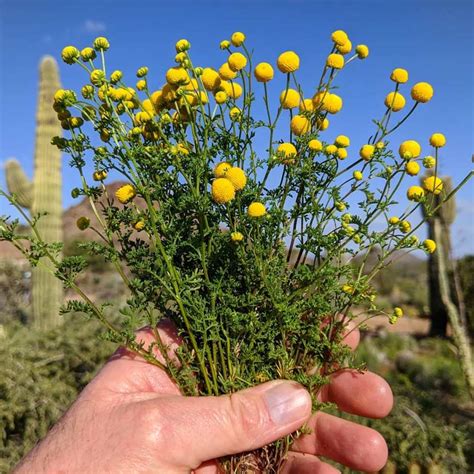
432	39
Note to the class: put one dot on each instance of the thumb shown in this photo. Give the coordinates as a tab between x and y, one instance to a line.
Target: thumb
205	428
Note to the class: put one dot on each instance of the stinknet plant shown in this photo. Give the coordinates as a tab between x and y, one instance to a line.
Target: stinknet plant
241	226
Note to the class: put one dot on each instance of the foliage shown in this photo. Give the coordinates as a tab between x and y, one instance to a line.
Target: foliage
466	274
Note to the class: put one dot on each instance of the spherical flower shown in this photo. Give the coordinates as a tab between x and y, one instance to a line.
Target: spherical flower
332	103
116	76
366	152
395	101
339	37
101	43
87	91
409	149
422	92
399	75
357	175
362	51
344	48
394	220
83	223
180	58
287	151
139	225
398	312
70	54
237	177
224	44
210	79
429	162
264	72
322	124
315	145
76	122
226	72
237	61
256	209
237	236
221	169
99	175
412	168
288	61
415	193
177	76
182	45
306	105
335	61
300	125
349	289
235	113
342	140
429	245
223	190
125	193
289	98
380	145
404	226
97	77
233	89
433	184
88	54
330	150
341	153
237	38
220	97
340	206
141	85
437	140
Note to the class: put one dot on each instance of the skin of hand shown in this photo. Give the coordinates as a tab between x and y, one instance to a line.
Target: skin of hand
131	418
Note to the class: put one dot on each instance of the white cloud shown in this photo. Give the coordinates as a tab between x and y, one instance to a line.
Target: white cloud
93	26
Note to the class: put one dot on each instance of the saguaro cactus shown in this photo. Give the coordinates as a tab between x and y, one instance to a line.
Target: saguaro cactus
43	194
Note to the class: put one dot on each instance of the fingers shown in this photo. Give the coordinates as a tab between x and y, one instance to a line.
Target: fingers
359	393
298	463
353	445
241	422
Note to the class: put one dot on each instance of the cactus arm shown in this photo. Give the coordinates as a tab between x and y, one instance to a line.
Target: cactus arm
19	184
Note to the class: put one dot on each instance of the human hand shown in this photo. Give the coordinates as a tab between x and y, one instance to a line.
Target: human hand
132	418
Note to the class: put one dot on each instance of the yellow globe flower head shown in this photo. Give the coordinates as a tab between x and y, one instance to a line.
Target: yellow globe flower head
330	150
362	51
232	89
335	61
346	218
220	97
210	79
182	45
429	162
139	225
222	190
221	169
116	76
237	177
141	85
83	223
288	62
422	92
177	76
256	209
237	236
97	77
349	289
226	72
429	245
415	193
412	168
409	149
342	141
87	91
399	75
125	193
357	175
180	58
225	44
341	153
433	184
394	220
76	122
315	145
264	72
367	152
345	48
340	206
437	140
237	61
289	98
101	43
192	85
99	175
306	105
395	101
320	98
287	153
70	54
235	114
404	226
398	312
237	38
339	37
142	71
322	124
142	118
300	125
332	103
88	54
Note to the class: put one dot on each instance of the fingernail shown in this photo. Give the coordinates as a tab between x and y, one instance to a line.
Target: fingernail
287	402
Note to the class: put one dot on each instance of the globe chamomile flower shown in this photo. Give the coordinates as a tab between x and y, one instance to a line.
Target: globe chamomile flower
422	92
366	152
330	149
237	61
101	44
226	72
125	193
220	97
222	190
429	245
395	101
345	48
88	54
70	54
300	125
210	79
415	193
315	145
97	77
289	98
221	169
399	75
437	140
409	149
306	105
235	113
139	225
256	209
99	175
394	220
404	226
237	236
288	62
182	45
429	162
237	38
357	175
116	76
339	37
342	141
264	72
433	184
237	177
224	44
335	61
287	151
341	153
412	168
177	76
362	51
332	103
